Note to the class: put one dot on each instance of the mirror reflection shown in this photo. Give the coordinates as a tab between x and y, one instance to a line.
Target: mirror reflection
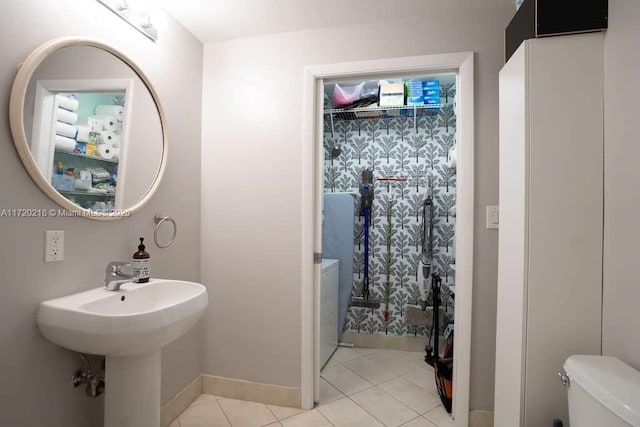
93	128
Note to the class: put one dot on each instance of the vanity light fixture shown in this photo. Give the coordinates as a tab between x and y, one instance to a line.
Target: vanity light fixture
137	14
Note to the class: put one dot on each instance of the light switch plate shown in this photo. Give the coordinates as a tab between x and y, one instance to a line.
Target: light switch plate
493	217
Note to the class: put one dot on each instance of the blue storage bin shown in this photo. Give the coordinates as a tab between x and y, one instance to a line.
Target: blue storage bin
62	182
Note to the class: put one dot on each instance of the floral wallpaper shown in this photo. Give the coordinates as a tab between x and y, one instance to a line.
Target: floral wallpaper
397	145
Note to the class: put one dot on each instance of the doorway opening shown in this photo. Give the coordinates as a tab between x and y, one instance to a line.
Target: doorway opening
390	183
403	153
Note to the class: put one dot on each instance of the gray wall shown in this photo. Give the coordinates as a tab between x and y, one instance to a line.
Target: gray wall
33	372
621	293
256	84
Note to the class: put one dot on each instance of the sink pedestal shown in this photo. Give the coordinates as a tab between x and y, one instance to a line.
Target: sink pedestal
129	326
132	390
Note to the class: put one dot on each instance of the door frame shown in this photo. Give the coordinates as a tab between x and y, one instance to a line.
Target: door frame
312	187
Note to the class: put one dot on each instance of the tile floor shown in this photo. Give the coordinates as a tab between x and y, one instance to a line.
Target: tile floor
359	387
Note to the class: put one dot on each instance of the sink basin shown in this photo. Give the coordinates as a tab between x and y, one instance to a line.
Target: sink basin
129	327
137	319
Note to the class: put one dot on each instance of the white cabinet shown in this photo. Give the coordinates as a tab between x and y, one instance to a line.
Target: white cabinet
550	241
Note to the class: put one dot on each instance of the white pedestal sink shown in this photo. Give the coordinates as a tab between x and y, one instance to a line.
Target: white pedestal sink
129	327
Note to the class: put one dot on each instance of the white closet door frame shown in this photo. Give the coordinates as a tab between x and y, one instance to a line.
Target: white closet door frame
462	64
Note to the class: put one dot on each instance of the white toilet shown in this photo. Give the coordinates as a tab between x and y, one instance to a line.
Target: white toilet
603	392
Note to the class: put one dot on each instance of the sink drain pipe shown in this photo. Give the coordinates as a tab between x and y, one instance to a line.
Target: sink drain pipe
94	382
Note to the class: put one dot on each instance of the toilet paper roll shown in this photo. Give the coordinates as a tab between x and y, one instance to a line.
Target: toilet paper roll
62	143
108	122
116	153
116	111
67	130
95	124
65	116
108	137
83	133
69	104
105	151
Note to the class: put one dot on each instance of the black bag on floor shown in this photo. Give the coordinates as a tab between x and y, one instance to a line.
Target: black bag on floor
442	368
444	381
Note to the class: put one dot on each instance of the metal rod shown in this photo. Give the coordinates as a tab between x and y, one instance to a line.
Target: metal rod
401	179
332	128
365	287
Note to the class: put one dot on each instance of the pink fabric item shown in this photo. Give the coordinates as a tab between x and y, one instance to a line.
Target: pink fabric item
344	96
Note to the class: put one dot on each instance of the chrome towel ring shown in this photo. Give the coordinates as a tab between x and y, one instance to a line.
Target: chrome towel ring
159	220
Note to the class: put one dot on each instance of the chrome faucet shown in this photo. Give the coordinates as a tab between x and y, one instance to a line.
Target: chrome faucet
114	277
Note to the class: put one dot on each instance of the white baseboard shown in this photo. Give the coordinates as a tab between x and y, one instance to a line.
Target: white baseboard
180	402
478	418
258	392
388	342
248	390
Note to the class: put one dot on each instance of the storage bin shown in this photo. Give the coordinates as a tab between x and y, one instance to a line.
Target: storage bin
62	182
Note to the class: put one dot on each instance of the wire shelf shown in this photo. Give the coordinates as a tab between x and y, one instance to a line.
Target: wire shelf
378	108
87	193
84	156
377	113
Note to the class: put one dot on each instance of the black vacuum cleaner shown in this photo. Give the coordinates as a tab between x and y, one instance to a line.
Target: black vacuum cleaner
442	366
366	202
426	256
432	352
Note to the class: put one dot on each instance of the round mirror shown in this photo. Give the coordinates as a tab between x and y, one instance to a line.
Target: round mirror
89	128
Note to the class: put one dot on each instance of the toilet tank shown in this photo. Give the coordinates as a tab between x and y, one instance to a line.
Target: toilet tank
603	391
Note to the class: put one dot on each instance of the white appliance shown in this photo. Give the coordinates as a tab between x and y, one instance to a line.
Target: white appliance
602	391
550	238
328	309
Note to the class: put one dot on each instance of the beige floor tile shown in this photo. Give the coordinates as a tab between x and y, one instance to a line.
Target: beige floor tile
276	424
345	380
344	354
242	413
328	393
205	415
364	351
384	407
416	357
393	362
425	378
175	423
308	419
203	398
412	395
370	371
331	362
419	422
284	411
345	412
439	417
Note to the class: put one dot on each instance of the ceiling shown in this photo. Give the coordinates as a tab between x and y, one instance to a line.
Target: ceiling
216	20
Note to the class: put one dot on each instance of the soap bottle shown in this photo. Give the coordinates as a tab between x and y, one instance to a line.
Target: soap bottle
140	262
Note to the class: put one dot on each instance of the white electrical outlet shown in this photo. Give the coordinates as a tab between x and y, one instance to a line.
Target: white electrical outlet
53	245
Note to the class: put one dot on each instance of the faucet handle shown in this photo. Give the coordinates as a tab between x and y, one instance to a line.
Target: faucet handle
114	276
115	267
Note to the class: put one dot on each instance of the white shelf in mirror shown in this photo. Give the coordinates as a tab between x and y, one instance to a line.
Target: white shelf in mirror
84	156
